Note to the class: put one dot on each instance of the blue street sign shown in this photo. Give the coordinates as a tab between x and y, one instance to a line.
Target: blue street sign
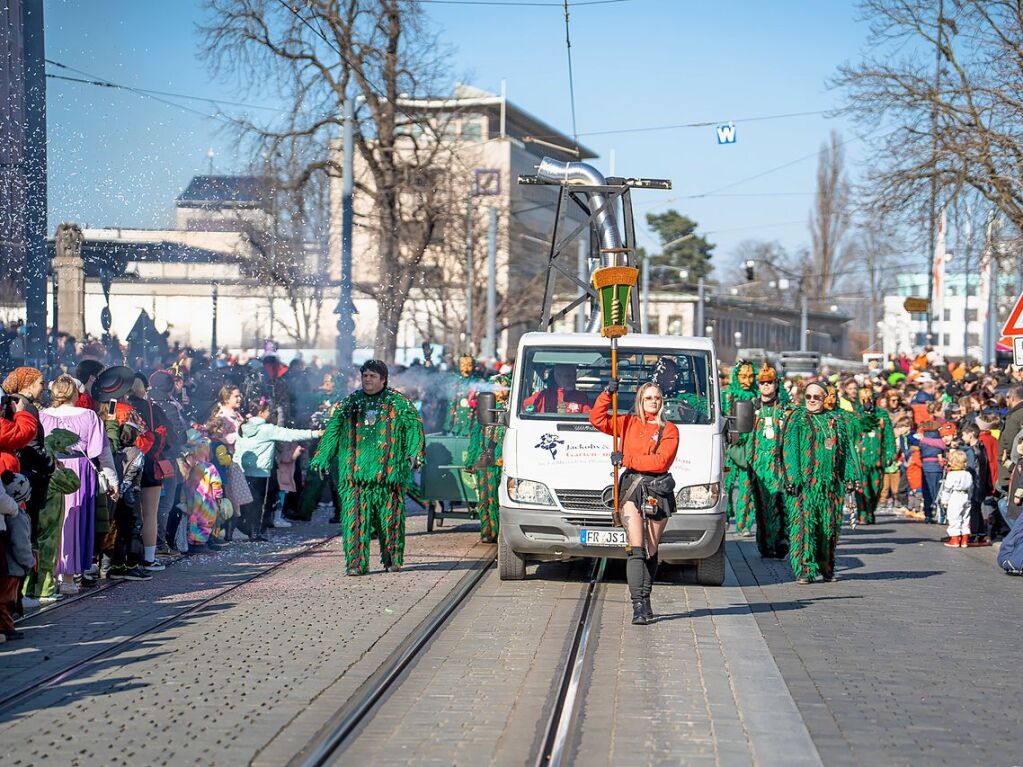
726	133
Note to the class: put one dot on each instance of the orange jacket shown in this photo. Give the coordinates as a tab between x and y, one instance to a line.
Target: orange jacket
638	438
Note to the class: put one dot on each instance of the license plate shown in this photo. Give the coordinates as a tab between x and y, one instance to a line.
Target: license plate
602	537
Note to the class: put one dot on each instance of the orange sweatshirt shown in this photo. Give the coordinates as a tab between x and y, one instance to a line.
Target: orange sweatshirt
638	438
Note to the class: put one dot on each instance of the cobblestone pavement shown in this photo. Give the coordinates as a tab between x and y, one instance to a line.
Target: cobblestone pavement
908	659
696	687
219	687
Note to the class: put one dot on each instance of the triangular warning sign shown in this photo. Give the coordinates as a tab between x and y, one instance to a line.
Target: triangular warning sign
1014	325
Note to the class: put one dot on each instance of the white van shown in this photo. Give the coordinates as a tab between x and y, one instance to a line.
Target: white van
556	494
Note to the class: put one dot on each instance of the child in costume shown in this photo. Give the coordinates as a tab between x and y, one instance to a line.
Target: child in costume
738	478
955	497
203	490
16	556
375	437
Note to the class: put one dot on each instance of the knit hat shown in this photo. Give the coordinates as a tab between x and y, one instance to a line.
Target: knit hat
19	378
162	380
17	486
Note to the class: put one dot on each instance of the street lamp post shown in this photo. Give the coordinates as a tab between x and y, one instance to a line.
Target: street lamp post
345	308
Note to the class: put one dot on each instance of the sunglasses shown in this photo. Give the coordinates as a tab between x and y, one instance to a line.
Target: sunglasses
815	397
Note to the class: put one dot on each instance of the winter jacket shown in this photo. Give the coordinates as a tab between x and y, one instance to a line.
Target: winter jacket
8	508
36	464
20	559
254	448
176	423
15	433
1013	425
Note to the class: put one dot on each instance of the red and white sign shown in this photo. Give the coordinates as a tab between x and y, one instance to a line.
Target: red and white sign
1014	325
1017	351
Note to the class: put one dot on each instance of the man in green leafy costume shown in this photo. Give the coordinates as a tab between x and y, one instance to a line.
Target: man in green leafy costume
459	418
739	478
875	447
765	451
819	464
376	437
484	458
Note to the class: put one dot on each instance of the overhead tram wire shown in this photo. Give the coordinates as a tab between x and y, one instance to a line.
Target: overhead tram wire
105	82
571	80
522	3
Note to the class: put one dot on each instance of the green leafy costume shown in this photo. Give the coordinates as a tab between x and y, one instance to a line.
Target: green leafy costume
765	465
374	440
818	459
875	449
459	417
41	583
739	477
484	458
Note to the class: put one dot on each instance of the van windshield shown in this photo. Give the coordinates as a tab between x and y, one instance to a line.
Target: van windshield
562	383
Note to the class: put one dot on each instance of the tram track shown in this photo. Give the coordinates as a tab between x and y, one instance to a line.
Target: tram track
329	745
561	723
13	699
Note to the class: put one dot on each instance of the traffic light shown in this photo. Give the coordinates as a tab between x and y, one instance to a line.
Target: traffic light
749	270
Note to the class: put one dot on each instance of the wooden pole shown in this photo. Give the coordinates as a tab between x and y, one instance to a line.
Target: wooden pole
616	515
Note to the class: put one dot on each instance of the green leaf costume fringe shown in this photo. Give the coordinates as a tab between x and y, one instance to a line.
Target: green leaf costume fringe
768	488
875	449
488	478
737	478
818	459
374	440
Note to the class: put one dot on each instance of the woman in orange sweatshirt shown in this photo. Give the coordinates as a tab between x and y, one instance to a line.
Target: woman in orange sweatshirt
648	446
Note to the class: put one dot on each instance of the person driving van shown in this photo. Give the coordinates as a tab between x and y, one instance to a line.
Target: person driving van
560	394
649	443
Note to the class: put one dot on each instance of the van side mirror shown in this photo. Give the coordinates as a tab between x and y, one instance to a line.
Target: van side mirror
486	403
742	413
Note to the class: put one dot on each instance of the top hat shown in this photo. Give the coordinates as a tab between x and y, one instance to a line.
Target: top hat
113	383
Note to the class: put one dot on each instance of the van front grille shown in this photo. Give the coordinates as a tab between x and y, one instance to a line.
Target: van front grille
581	500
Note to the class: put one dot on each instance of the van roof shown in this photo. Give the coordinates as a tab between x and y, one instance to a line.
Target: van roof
630	341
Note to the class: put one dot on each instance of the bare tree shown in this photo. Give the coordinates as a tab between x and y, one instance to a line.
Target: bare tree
872	250
829	221
776	271
942	91
320	53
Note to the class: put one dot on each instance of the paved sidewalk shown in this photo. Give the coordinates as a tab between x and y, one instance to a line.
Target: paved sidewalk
696	687
219	687
908	659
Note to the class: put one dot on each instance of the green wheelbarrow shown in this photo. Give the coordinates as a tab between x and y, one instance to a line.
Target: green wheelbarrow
448	488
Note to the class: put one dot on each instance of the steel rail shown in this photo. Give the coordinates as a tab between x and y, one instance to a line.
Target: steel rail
13	699
332	737
554	748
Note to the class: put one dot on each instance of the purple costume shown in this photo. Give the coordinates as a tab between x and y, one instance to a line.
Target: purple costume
78	530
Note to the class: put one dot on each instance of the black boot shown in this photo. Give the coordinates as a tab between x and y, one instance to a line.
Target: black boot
647	609
639	614
649	571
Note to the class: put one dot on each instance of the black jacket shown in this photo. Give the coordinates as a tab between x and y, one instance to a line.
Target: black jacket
35	463
1013	425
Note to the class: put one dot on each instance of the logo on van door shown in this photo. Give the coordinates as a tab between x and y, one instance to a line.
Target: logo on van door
550	443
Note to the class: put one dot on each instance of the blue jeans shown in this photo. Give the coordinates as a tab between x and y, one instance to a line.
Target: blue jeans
931	482
168	498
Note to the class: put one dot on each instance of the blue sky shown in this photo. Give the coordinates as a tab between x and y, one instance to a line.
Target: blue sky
117	159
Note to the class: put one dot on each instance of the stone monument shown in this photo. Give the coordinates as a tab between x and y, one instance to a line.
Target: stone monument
69	269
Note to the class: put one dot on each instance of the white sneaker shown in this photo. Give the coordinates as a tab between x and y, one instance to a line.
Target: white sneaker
29	603
50	600
279	520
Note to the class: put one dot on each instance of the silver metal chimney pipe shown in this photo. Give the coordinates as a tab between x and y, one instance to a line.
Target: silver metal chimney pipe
583	174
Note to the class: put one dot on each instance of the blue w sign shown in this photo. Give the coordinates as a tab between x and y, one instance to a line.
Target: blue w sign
726	133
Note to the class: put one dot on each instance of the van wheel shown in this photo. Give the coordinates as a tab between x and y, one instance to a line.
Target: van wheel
711	571
510	565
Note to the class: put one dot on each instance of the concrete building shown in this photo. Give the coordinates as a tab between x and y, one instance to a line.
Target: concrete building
492	141
959	327
203	271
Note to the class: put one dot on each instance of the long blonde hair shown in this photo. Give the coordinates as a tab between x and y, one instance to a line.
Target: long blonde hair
637	406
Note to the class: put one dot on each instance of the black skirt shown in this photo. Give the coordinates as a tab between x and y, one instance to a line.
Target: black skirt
633	487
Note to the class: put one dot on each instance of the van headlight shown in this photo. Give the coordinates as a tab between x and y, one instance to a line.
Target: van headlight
698	496
529	491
